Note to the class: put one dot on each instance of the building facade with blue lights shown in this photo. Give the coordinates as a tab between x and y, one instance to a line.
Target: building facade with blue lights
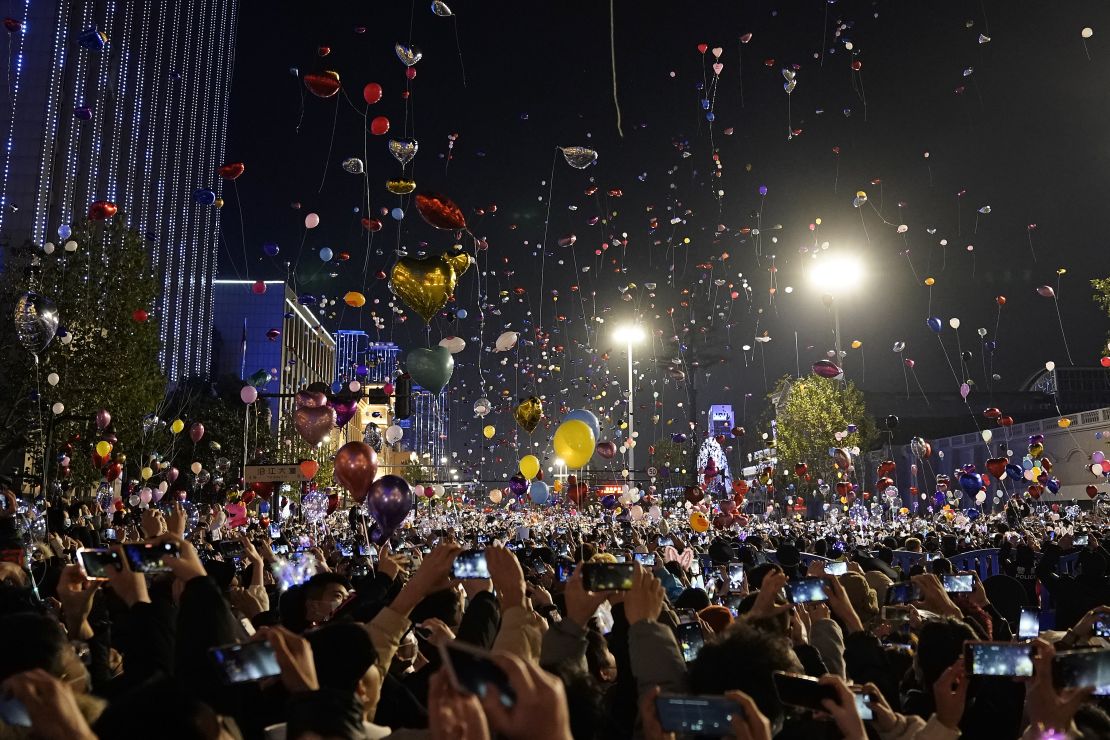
124	101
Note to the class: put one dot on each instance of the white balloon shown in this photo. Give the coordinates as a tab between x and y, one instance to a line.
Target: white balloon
196	468
506	341
987	435
954	323
53	378
454	345
58	408
393	434
1050	366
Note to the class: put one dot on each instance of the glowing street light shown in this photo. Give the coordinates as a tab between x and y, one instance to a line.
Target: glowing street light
630	334
836	274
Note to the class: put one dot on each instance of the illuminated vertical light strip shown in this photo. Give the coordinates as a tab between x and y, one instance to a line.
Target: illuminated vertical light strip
73	144
193	212
116	171
49	156
18	70
206	130
175	258
162	110
94	164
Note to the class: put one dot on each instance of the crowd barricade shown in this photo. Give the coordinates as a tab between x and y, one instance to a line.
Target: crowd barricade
983	562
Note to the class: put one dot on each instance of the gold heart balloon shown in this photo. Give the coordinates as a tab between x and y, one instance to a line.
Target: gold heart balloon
400	187
529	413
461	262
424	285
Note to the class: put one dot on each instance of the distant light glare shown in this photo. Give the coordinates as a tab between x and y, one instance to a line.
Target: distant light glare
629	334
836	274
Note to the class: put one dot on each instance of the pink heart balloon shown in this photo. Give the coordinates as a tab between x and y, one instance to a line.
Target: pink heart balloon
717	67
314	423
310	399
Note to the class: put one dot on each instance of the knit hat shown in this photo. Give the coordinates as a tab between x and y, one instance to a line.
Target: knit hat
718	617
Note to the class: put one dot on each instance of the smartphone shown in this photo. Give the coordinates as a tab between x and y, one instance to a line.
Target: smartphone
710	716
706	562
148	558
999	659
275	530
896	615
1081	540
13	713
366	550
346	549
665	542
471	671
246	662
645	558
958	584
470	564
732	601
280	548
836	567
1102	626
903	593
806	590
863	704
1081	669
691	640
360	570
563	570
735	576
597	577
1029	623
801	691
686	616
110	534
96	561
231	549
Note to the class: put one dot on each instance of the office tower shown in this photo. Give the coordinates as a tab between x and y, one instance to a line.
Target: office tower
124	101
273	333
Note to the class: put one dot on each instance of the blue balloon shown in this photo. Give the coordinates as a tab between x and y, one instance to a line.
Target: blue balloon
972	514
589	418
710	117
270	249
204	196
609	501
461	313
538	491
306	300
1013	471
326	254
1053	485
64	231
990	346
934	323
971	483
397	214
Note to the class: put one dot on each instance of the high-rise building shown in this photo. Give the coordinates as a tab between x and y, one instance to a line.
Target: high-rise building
357	358
124	101
273	333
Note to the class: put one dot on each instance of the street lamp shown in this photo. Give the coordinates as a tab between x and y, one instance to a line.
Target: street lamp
836	275
630	334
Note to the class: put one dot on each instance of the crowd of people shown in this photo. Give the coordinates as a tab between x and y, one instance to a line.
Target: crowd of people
471	623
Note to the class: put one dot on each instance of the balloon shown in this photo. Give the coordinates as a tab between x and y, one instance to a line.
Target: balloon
314	423
574	442
430	368
529	466
934	323
528	414
196	432
495	496
309	468
372	93
965	389
177	426
344	411
354	299
322	85
586	417
579	157
827	369
517	485
102	210
36	321
103	419
482	407
699	522
356	464
409	55
506	341
393	434
353	165
841	458
103	448
397	213
379	126
425	285
488	431
403	151
454	345
400	186
440	211
389	502
310	399
606	450
326	254
971	482
311	221
1046	291
440	8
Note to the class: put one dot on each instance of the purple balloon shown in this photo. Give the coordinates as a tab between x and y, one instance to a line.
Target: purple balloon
171	475
344	411
389	502
939	499
518	485
103	419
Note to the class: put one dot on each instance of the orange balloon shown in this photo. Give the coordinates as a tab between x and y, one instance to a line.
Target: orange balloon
309	469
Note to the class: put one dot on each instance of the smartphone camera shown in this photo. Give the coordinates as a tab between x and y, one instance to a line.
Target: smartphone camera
836	567
597	577
999	659
691	640
470	565
735	576
958	584
806	591
250	661
1029	624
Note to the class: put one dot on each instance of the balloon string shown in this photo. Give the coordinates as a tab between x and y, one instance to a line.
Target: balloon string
300	118
458	47
242	228
613	61
1063	335
327	162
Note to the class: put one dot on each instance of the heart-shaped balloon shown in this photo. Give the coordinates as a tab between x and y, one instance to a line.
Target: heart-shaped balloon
409	55
401	186
344	411
996	466
232	170
529	413
356	464
717	67
461	262
403	151
424	285
441	212
102	210
310	399
717	52
314	424
430	368
36	321
579	157
788	74
789	86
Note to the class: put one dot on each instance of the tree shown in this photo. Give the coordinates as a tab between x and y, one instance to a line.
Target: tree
1101	287
676	458
809	412
107	357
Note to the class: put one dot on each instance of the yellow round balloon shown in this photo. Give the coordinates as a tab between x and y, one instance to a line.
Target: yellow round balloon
489	431
529	466
103	448
574	442
355	299
699	522
1064	423
146	473
177	426
930	281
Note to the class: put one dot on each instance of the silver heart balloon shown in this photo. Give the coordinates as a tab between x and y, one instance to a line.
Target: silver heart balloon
36	321
441	9
788	74
353	165
579	157
409	55
403	151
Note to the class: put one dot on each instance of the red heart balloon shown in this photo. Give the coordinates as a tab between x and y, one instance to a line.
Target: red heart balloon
1092	491
232	170
440	211
996	466
102	210
322	85
703	48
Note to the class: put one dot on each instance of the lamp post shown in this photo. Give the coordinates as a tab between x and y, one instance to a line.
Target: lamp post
630	334
836	275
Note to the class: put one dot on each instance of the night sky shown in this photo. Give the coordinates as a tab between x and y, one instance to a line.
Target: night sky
1016	124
